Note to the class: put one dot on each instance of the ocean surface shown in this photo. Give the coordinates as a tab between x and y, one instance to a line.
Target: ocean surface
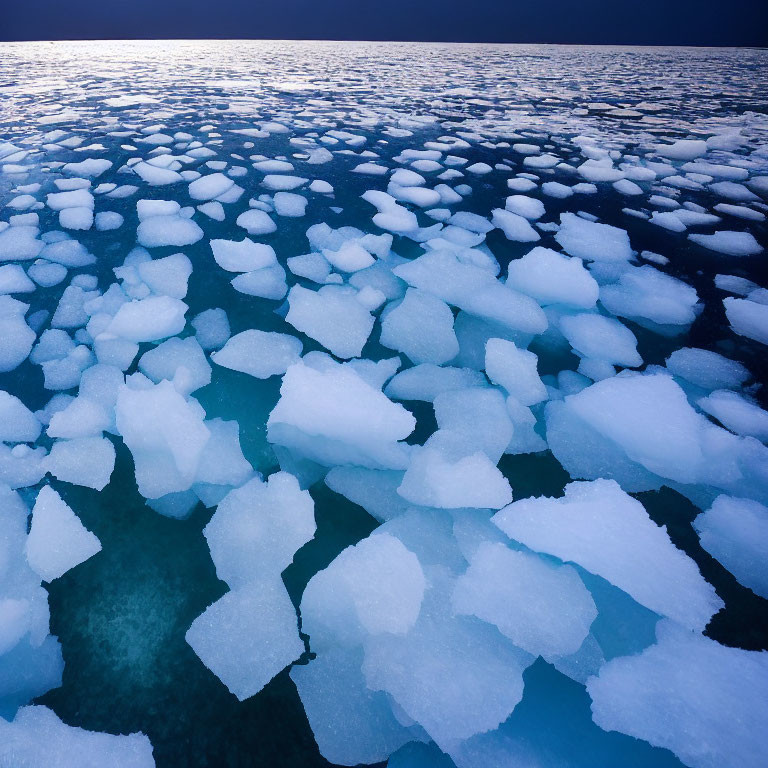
468	119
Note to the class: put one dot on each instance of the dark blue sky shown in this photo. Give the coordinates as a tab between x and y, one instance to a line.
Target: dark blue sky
652	22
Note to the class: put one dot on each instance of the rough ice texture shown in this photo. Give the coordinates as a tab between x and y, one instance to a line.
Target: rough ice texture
553	278
601	338
592	241
543	608
333	316
607	532
515	370
707	369
455	676
57	539
704	701
748	318
333	415
259	353
36	737
257	529
246	637
735	532
166	435
421	327
374	587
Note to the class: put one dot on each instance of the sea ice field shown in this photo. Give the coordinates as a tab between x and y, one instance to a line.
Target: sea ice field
383	404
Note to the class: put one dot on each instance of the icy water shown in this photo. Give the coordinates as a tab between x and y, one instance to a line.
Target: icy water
577	633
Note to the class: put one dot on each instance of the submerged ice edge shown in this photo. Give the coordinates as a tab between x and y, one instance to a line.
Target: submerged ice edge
480	253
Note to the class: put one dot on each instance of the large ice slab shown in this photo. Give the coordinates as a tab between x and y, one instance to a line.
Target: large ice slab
607	532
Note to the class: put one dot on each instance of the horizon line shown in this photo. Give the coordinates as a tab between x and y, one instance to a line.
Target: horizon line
350	40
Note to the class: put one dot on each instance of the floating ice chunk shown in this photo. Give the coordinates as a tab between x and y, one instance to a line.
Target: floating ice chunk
427	381
370	169
747	318
521	185
181	361
332	316
350	257
391	216
17	423
319	156
668	220
604	530
83	417
214	210
282	183
732	191
683	149
592	241
473	289
542	607
627	187
167	276
730	243
259	353
740	211
515	370
420	326
156	176
150	319
707	369
257	529
17	337
600	170
211	328
210	187
708	720
166	435
515	227
86	461
256	222
46	274
597	337
222	462
289	204
476	417
57	540
471	222
649	418
351	724
70	253
37	737
108	220
321	187
90	167
76	198
243	255
525	439
76	218
20	243
338	417
527	207
246	637
267	282
157	231
112	350
374	587
437	478
735	532
553	278
645	293
375	490
454	676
